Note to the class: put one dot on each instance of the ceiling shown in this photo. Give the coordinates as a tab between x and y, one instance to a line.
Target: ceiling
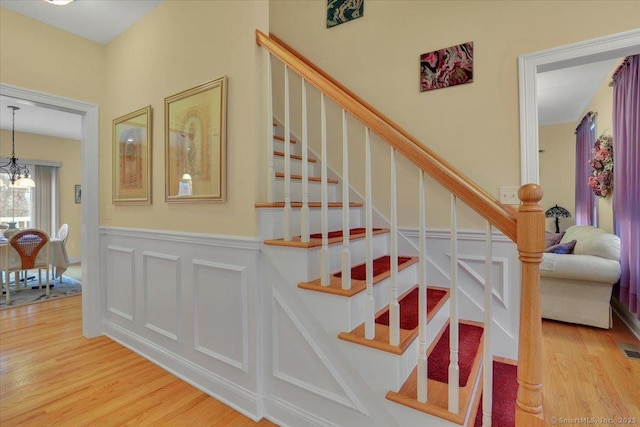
97	20
563	94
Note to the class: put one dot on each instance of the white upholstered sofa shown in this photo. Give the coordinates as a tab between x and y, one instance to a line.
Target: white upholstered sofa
577	287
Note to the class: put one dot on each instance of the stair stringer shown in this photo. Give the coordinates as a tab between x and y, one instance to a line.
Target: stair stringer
296	401
299	403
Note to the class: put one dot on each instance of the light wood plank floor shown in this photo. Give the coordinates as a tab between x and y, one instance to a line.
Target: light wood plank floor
51	375
585	375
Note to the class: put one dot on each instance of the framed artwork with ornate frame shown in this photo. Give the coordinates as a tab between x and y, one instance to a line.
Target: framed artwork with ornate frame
132	158
195	143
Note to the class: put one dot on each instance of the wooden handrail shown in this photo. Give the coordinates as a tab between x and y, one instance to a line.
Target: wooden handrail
437	168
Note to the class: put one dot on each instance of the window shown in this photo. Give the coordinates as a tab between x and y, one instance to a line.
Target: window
16	204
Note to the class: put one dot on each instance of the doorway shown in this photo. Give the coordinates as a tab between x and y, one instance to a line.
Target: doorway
91	303
589	51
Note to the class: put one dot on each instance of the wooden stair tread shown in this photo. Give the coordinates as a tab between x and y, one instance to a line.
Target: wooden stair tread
313	243
381	338
437	392
357	286
293	156
275	205
281	138
311	178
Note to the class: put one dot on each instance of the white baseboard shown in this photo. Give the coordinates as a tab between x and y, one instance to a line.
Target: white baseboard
242	400
627	317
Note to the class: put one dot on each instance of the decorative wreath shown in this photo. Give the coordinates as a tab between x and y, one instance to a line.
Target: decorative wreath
601	179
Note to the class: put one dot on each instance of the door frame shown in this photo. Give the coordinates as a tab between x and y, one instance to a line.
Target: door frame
91	297
585	52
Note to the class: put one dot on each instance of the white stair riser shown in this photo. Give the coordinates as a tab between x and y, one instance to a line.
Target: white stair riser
381	368
271	221
295	148
357	249
296	166
303	265
315	191
348	313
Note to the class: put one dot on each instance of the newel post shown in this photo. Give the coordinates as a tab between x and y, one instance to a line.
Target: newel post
530	230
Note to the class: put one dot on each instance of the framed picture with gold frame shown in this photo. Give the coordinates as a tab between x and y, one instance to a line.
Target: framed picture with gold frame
132	158
195	143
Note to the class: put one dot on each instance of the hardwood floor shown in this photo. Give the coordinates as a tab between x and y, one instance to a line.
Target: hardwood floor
585	375
51	375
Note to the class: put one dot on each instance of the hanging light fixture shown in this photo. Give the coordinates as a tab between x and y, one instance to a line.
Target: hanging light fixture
19	175
59	2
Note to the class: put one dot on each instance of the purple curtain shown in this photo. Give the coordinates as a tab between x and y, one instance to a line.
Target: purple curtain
585	199
626	177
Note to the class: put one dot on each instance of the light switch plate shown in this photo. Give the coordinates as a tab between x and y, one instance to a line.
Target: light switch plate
509	195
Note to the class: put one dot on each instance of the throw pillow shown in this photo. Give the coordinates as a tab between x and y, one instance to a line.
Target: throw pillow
562	248
551	239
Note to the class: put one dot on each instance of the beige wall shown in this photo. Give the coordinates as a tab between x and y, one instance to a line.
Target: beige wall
65	151
474	126
558	170
179	45
43	58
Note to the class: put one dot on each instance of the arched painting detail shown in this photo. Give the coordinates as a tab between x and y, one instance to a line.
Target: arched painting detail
195	143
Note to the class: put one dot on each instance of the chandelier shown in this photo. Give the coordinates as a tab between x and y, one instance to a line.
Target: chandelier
19	175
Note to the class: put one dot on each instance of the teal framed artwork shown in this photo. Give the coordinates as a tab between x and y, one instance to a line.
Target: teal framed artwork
341	11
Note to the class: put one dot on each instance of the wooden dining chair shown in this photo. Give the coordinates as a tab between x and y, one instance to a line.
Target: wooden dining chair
28	244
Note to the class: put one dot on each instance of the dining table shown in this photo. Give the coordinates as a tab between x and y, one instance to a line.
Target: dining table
58	257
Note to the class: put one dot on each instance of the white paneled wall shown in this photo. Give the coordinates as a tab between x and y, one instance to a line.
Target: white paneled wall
185	302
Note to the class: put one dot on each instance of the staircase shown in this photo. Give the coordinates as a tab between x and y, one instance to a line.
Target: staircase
355	288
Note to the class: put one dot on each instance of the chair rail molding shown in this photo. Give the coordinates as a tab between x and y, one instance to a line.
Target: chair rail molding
584	52
91	301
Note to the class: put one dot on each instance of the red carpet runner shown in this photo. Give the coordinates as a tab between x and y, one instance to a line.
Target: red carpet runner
409	308
505	391
380	265
469	344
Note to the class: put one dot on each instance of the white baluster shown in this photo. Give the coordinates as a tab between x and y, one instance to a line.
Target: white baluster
287	159
271	175
304	212
324	252
369	325
346	254
422	299
454	368
487	379
394	307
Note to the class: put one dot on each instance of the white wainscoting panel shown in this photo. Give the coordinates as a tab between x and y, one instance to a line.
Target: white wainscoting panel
218	305
162	295
120	279
190	303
